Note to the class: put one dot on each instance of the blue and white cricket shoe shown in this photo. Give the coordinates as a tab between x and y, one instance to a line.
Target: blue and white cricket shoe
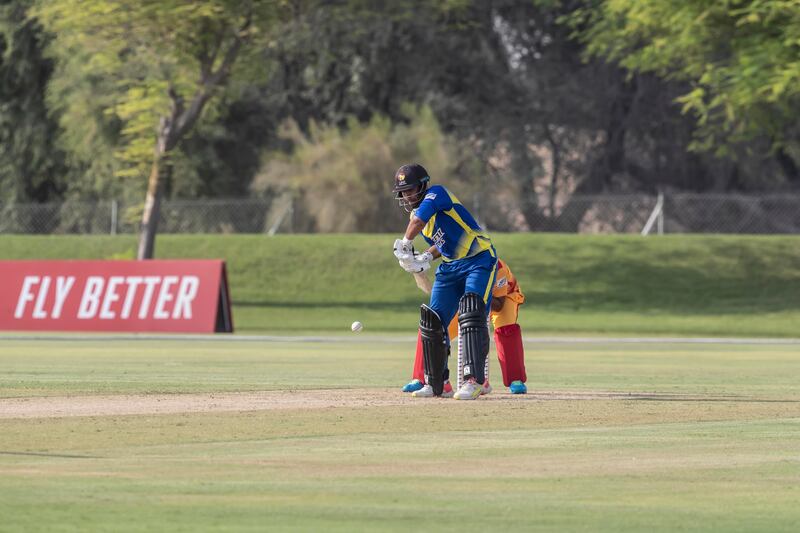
413	385
518	387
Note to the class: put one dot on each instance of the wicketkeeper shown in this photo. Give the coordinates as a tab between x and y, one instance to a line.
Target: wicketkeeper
463	281
506	299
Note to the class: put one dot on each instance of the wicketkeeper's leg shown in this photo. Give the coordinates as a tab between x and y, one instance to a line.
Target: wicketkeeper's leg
510	353
419	361
508	339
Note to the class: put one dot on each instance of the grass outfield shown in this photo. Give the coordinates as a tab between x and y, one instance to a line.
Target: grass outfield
629	285
613	437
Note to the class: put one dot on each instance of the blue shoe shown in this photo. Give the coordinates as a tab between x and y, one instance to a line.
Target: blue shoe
518	387
413	386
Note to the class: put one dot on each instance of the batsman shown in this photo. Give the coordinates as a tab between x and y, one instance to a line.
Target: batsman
463	281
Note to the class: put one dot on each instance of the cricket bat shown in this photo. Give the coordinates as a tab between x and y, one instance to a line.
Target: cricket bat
423	282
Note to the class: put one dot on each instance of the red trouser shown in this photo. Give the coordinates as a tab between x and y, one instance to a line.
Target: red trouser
510	353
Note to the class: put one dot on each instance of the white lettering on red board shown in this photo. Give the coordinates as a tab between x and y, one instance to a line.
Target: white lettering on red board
115	297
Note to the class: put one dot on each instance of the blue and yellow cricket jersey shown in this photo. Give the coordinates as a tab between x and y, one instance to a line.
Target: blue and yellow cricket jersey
450	227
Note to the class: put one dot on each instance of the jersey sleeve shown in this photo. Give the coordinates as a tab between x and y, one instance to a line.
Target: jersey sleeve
437	199
510	287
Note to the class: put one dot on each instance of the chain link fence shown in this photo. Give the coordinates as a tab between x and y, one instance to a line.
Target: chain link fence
243	215
669	213
672	213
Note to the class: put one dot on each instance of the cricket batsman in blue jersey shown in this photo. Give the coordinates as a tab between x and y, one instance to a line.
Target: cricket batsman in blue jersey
463	281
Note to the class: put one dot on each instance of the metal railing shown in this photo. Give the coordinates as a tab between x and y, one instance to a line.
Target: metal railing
634	213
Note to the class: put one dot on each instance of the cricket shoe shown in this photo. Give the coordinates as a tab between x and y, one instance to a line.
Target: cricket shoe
486	388
413	385
518	387
427	391
470	390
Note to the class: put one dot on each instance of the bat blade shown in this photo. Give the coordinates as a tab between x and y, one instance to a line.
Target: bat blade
423	282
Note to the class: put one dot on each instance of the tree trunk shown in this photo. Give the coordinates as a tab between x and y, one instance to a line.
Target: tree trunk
555	162
610	161
152	210
788	166
174	126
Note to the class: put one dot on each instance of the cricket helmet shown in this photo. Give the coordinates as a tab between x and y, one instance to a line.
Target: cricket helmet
413	178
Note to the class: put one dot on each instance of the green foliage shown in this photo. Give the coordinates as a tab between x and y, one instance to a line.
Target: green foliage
128	254
344	175
740	57
30	165
504	79
125	64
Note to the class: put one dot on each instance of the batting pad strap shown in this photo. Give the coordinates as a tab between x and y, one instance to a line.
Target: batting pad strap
474	334
434	349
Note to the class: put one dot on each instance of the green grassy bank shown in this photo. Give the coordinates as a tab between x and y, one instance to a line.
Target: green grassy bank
672	285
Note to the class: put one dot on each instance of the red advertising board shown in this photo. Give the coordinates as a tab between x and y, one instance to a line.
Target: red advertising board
138	296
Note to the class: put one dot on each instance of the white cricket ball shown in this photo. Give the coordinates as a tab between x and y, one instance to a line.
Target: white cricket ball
357	326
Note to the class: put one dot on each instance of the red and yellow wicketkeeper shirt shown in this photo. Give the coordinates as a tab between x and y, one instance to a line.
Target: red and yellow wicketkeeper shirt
506	285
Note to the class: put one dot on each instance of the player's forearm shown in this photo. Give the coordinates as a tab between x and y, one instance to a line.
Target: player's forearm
434	251
414	228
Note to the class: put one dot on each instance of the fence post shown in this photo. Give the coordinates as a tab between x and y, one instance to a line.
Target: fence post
291	215
114	211
661	214
288	211
656	216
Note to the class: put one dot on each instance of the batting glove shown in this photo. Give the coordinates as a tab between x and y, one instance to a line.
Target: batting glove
404	251
424	257
415	267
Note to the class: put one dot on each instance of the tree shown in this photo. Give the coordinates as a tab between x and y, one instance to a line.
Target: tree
503	76
30	164
160	63
740	57
341	178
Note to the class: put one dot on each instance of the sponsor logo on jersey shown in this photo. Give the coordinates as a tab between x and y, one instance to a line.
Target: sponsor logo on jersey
502	282
438	238
430	196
